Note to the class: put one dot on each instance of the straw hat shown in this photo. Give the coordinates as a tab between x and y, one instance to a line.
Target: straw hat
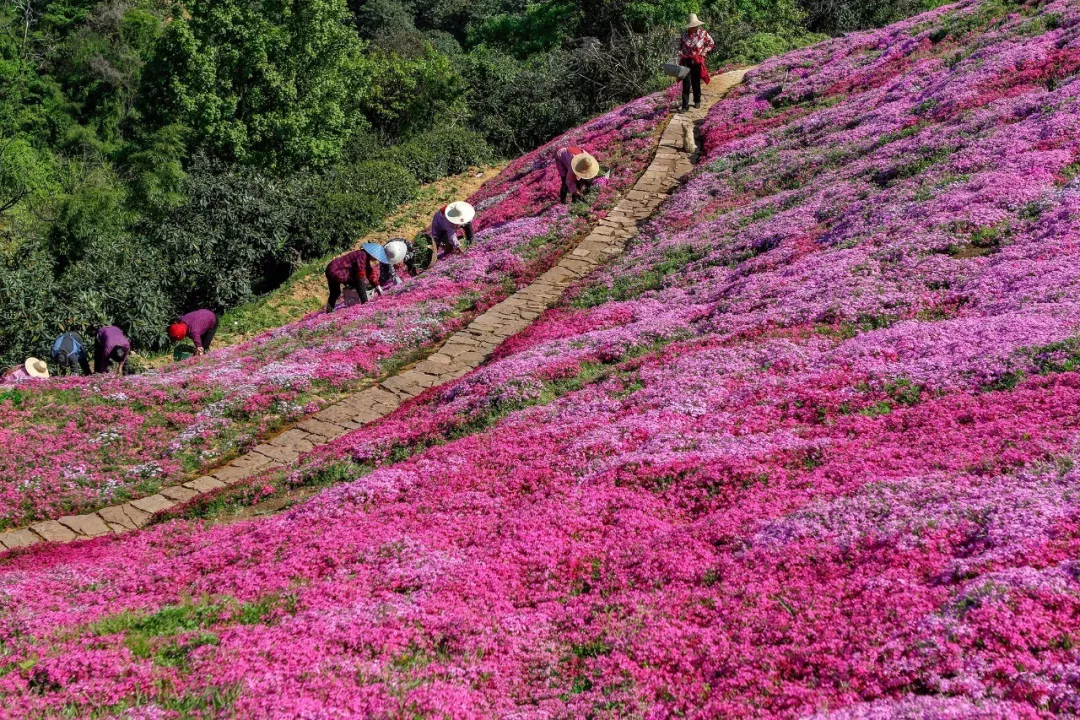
585	166
693	22
36	368
460	212
396	250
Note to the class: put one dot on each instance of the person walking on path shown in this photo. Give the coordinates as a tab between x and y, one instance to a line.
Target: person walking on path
448	222
199	325
351	270
112	348
400	260
694	46
69	353
577	169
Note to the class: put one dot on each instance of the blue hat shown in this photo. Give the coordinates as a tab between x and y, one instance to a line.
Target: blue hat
376	251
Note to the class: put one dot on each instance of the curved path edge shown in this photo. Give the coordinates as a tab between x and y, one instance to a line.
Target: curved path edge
461	353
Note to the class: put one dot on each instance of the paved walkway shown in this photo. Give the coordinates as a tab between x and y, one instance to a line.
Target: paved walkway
461	353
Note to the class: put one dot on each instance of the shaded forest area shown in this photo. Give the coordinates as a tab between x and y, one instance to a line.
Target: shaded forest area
157	156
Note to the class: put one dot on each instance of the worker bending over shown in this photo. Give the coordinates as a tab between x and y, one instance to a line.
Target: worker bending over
577	169
69	353
32	368
399	261
199	325
449	222
352	270
111	350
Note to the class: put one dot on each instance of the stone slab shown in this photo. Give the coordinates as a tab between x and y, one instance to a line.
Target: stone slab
52	531
252	462
379	396
280	454
115	516
292	438
204	484
153	504
86	525
18	539
327	430
402	385
179	493
338	413
138	517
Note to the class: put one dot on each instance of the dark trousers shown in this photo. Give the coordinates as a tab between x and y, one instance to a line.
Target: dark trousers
691	80
208	337
335	291
75	362
101	361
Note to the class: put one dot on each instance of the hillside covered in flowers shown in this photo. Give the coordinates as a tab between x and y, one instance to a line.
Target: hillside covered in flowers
808	449
76	444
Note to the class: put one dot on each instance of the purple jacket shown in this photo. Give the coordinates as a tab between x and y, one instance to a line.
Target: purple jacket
199	322
108	339
444	231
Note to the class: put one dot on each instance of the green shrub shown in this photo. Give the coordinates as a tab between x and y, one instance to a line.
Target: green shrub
438	153
336	210
422	159
384	181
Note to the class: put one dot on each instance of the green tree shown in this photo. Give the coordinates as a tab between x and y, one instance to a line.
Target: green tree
407	94
274	83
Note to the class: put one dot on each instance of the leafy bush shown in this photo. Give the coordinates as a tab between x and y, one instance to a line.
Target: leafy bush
334	211
438	153
519	105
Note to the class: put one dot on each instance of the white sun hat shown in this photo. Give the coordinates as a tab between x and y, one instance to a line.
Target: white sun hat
693	22
396	250
36	368
585	166
460	212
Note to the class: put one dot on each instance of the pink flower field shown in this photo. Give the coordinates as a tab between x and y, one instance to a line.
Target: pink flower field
808	449
72	445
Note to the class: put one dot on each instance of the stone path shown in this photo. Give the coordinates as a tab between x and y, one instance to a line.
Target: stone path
461	353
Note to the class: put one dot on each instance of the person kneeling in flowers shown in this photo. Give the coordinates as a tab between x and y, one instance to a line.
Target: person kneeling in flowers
352	269
577	169
399	260
199	325
448	222
112	348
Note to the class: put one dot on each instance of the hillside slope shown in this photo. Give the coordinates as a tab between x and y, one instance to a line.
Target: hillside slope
76	444
807	450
